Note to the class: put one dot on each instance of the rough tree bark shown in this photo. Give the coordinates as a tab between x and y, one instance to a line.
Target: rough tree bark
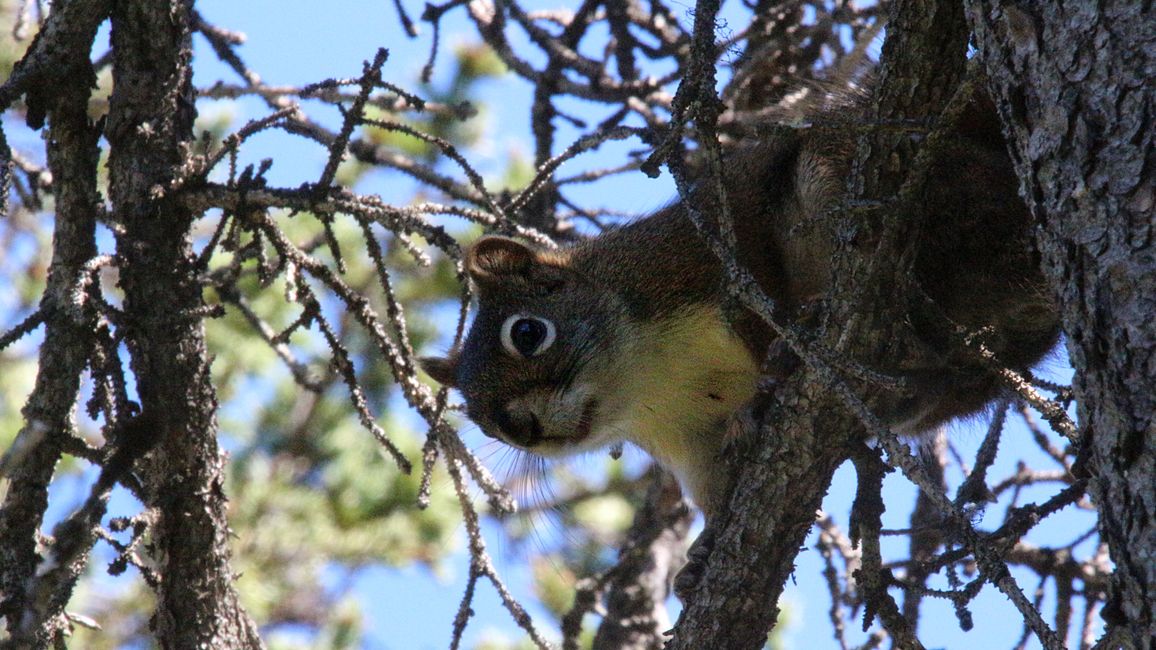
149	129
1078	104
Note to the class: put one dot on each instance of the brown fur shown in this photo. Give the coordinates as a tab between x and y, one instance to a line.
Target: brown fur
641	280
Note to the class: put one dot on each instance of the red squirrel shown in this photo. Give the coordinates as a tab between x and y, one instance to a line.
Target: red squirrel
622	337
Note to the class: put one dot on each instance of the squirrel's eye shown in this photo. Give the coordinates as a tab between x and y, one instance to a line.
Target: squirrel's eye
527	336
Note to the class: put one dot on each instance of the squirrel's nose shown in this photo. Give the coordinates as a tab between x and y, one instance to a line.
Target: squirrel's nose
521	428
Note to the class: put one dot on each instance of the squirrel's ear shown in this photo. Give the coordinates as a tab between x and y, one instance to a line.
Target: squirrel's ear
495	257
442	369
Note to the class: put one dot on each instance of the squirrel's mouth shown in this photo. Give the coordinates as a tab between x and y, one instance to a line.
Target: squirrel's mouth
564	439
546	428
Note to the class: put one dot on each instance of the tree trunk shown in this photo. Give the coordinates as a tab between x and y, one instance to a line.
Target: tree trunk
1077	96
149	129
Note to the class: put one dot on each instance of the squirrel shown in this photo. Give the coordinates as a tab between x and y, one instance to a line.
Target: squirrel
628	336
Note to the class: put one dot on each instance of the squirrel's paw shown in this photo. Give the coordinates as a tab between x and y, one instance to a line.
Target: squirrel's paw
779	364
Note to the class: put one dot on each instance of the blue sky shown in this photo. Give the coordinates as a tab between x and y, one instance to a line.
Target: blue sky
300	42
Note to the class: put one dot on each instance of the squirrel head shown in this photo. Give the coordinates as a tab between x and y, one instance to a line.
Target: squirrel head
539	368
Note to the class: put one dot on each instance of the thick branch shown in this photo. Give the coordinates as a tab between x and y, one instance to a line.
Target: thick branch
72	158
54	55
636	617
149	125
